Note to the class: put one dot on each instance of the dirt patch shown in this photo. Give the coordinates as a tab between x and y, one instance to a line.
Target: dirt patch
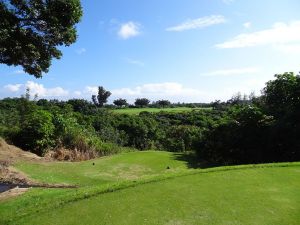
10	154
14	182
10	175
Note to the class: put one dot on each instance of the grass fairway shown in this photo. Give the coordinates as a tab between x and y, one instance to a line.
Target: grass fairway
121	167
136	188
136	111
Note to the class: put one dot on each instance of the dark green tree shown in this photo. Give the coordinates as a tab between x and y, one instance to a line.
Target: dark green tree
281	99
100	99
141	102
81	105
282	95
31	31
120	102
163	103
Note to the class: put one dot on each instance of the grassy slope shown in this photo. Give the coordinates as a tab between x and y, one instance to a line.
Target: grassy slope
127	166
155	110
115	192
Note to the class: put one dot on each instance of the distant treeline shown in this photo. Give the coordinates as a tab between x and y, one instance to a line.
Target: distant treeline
244	129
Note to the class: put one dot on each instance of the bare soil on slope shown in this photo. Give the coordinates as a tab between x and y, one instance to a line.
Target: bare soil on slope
12	181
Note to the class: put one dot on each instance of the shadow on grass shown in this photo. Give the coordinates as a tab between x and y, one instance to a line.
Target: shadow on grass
192	161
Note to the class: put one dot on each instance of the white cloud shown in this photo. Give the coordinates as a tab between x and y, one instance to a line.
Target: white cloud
134	62
129	30
13	87
235	71
289	48
247	25
41	91
198	23
172	91
77	93
280	33
91	90
157	90
36	88
80	51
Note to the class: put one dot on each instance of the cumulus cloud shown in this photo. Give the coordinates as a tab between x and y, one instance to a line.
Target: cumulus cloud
279	33
91	90
41	91
235	71
288	48
167	89
13	87
129	30
77	93
36	89
198	23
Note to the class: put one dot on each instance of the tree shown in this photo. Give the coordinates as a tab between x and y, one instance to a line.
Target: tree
100	99
31	31
36	133
163	103
81	105
120	102
282	95
141	102
281	99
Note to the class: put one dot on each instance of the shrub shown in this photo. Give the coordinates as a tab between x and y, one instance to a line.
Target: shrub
36	133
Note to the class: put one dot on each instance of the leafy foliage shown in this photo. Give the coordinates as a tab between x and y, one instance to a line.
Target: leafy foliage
245	129
163	103
120	102
36	132
30	32
141	102
100	99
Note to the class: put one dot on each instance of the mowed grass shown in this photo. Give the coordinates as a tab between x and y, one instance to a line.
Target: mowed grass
121	167
264	196
136	111
148	193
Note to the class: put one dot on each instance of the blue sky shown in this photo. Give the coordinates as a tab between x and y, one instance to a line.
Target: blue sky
181	50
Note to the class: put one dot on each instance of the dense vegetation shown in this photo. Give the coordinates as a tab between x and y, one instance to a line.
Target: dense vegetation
241	130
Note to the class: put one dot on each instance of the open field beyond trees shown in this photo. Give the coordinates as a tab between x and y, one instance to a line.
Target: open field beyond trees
136	111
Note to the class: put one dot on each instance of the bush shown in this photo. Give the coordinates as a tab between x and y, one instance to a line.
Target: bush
36	132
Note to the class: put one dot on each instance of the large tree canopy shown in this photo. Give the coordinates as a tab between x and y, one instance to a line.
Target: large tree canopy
31	31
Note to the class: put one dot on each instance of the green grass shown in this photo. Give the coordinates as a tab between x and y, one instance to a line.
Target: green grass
126	166
260	196
136	188
136	111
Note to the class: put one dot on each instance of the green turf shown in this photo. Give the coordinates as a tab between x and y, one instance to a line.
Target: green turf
136	188
136	111
127	166
262	196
